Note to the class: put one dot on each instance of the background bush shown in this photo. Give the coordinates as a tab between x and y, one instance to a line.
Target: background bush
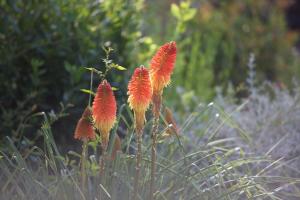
215	39
44	46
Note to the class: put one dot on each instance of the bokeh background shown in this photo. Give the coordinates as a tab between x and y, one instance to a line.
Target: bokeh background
45	45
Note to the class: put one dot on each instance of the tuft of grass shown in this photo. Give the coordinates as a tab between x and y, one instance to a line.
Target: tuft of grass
213	169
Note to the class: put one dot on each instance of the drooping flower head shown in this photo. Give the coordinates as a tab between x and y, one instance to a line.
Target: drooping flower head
140	93
170	121
87	114
161	67
104	111
84	129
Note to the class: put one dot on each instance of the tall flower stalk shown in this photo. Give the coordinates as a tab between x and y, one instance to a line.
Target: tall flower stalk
161	68
104	115
84	131
140	93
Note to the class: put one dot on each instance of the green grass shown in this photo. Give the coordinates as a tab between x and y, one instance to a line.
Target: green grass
216	169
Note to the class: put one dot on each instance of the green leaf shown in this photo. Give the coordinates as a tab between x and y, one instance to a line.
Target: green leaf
93	69
73	153
189	14
114	88
175	11
89	68
36	63
88	91
118	67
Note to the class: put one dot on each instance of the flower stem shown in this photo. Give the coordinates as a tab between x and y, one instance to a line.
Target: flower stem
83	166
91	87
102	161
156	109
138	163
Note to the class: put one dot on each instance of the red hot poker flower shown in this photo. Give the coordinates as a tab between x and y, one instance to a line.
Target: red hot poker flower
104	111
84	129
140	92
161	67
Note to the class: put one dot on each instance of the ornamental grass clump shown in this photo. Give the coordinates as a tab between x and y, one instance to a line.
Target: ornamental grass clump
140	93
161	68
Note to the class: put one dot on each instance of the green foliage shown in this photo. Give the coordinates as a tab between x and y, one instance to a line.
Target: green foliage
215	38
183	13
45	44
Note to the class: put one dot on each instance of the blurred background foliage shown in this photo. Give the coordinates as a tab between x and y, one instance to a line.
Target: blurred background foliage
215	39
45	45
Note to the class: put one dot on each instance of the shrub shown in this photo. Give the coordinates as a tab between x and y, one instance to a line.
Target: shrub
44	46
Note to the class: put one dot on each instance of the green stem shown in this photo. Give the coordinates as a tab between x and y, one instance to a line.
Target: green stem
91	87
83	166
102	170
138	163
153	155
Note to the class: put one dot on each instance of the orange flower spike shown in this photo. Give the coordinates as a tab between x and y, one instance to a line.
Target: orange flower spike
161	67
104	111
140	93
84	129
